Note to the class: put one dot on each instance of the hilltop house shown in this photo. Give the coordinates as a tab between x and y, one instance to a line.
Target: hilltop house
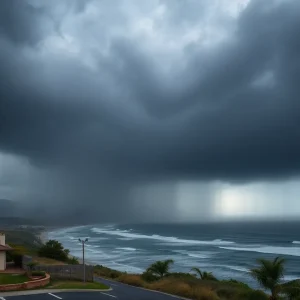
3	249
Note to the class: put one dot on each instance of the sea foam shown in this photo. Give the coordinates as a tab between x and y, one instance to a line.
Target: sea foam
126	234
293	251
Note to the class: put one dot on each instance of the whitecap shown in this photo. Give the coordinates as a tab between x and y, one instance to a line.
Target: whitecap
293	251
237	268
126	248
126	234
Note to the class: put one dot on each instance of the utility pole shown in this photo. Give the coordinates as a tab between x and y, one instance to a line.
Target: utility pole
83	262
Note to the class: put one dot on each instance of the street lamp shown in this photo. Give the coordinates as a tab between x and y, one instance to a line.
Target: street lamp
83	243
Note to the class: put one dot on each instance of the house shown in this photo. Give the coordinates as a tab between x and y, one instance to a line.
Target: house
3	249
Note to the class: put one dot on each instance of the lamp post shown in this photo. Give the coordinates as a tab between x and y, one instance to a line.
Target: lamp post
83	243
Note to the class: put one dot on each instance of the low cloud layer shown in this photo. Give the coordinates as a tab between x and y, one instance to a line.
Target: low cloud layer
103	98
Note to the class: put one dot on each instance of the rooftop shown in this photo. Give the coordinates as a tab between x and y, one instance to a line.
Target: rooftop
5	248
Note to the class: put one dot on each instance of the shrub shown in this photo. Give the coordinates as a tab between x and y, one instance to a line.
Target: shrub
38	273
134	280
203	294
183	289
55	250
31	265
73	261
237	283
256	295
181	275
149	277
107	272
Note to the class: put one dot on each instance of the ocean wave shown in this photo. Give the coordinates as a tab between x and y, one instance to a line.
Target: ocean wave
296	242
202	254
126	248
290	277
198	255
237	268
126	234
292	251
124	267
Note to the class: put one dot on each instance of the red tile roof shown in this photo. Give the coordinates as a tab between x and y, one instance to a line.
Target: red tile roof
5	248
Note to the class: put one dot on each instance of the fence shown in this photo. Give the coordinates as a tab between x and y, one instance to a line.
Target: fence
63	271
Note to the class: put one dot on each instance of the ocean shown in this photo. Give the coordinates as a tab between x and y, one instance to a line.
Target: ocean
228	250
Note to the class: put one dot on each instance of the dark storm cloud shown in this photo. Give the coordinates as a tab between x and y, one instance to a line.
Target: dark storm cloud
21	22
213	119
108	114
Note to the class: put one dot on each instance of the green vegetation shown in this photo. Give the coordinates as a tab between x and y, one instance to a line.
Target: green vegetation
31	265
77	285
38	273
55	250
204	275
185	284
269	275
13	278
160	268
107	272
72	261
291	289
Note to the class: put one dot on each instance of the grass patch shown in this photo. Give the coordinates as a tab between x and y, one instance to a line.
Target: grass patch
70	284
13	278
47	261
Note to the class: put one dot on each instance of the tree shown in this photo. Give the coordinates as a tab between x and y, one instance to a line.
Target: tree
160	268
269	275
204	275
54	249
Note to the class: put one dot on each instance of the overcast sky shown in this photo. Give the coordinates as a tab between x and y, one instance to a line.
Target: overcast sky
157	110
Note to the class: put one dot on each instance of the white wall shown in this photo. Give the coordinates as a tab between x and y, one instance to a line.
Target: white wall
2	238
2	260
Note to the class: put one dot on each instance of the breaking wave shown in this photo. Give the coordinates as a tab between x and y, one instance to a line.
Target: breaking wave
127	234
126	248
293	251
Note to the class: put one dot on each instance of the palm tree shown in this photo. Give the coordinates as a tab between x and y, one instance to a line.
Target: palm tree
204	275
160	268
269	275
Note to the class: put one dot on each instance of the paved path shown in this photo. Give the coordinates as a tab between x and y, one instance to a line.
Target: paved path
119	292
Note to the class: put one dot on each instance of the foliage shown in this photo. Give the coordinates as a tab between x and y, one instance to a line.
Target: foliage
131	279
204	275
181	275
54	249
291	289
72	261
149	277
160	268
31	265
38	273
237	283
107	272
254	295
184	289
269	275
